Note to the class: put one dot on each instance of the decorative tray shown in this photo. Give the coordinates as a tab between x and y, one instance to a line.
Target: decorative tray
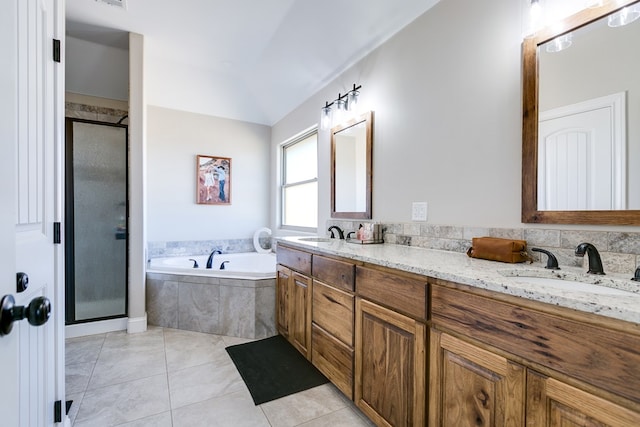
364	242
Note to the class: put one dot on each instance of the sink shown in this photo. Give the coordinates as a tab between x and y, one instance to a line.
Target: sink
571	285
316	239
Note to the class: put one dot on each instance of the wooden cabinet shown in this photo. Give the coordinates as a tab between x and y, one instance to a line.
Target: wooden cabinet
553	403
493	359
501	361
283	279
390	366
300	313
293	298
332	321
390	346
471	386
293	308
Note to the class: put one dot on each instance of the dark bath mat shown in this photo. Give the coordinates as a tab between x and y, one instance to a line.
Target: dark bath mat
272	368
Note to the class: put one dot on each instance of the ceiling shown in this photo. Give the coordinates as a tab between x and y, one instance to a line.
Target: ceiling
269	55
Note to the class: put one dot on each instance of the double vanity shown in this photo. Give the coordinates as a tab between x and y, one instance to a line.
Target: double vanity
419	337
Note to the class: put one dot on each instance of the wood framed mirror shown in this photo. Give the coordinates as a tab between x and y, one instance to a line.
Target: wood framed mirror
351	168
539	186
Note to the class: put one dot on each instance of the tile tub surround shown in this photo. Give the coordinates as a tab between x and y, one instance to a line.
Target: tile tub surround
232	307
620	251
459	268
198	247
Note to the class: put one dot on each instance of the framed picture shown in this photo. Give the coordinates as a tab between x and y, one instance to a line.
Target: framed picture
213	180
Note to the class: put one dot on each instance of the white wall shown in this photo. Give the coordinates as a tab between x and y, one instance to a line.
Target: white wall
96	70
446	92
174	139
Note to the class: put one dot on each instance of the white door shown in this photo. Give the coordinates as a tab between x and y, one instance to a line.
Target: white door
30	356
582	156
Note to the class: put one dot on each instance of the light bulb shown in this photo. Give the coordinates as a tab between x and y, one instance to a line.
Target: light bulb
325	117
352	101
340	111
535	16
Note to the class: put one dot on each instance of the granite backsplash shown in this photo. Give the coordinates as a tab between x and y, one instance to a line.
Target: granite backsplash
620	251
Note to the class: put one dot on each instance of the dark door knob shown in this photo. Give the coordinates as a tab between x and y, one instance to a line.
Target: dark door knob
37	312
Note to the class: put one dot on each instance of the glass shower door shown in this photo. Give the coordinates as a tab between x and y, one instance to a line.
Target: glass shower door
96	213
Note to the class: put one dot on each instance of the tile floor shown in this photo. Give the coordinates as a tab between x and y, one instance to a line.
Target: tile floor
168	377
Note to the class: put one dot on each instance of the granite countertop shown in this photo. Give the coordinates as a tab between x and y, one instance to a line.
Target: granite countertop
611	295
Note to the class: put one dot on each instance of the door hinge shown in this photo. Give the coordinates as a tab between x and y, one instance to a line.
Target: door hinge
56	233
56	50
57	411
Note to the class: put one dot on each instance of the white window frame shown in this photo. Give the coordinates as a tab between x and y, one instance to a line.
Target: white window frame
281	153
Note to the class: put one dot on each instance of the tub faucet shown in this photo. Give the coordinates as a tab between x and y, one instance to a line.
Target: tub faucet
595	263
340	232
210	259
223	264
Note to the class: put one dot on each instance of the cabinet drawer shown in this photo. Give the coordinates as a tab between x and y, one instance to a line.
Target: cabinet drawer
333	359
294	259
603	357
333	311
405	294
336	273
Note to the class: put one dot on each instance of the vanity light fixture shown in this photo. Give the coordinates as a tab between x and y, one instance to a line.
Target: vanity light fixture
336	110
625	16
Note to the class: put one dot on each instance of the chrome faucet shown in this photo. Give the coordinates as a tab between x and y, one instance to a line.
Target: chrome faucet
595	263
210	259
340	232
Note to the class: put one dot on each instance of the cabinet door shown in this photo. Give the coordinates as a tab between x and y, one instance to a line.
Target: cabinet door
470	386
300	313
390	366
556	404
282	300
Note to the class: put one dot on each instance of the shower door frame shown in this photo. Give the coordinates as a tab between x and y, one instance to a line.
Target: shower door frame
70	304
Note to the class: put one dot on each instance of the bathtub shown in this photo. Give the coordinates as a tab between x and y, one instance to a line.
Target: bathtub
238	301
249	265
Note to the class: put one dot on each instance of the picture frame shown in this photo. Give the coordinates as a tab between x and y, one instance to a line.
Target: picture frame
213	180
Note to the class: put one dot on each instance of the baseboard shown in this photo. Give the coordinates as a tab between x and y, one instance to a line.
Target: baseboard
137	324
98	327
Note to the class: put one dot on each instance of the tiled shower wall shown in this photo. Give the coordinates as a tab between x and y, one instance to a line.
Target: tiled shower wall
620	251
85	111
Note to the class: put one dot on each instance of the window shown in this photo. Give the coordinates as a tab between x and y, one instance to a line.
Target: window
299	189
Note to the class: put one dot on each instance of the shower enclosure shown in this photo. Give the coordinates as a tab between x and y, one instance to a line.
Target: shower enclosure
96	220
